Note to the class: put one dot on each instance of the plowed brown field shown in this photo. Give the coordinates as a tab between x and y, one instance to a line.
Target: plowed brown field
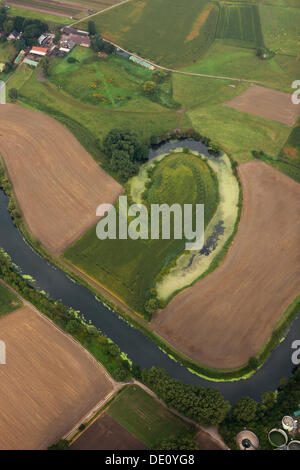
224	319
47	385
57	183
107	434
267	103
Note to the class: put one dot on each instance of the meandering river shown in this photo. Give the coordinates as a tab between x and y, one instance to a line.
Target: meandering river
139	348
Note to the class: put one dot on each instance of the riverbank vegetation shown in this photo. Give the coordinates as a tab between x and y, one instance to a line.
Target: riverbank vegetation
129	267
70	321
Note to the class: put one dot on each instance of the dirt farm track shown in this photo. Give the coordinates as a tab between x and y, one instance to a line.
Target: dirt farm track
57	183
224	319
47	384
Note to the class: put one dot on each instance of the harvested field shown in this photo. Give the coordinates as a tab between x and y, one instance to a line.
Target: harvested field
224	319
57	183
48	384
107	434
267	103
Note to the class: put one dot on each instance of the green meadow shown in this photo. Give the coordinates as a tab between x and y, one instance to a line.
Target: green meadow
110	82
8	301
240	62
281	28
168	32
129	267
146	418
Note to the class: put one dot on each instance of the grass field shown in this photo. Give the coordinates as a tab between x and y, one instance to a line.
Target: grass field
165	31
281	28
38	15
239	133
238	62
109	83
147	419
240	24
129	267
7	51
8	301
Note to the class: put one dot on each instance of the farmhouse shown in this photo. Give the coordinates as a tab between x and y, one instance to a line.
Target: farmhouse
66	45
81	38
14	35
40	51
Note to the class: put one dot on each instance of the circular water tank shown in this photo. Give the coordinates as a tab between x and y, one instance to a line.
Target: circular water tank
294	445
277	437
247	440
288	423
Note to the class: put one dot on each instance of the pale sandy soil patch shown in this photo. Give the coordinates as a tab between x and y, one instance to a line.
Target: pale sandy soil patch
199	22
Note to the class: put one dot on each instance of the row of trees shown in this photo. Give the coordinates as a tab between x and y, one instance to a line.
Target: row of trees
204	405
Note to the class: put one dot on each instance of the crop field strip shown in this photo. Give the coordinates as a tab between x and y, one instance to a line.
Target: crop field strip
241	24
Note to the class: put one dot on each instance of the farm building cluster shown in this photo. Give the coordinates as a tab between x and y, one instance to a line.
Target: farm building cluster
70	38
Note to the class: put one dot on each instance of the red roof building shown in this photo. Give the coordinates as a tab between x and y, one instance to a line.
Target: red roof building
39	50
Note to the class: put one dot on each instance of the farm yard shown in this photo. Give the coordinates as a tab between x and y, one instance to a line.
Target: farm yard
164	31
231	314
129	267
47	384
68	183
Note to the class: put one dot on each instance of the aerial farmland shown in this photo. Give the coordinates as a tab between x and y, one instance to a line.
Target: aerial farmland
149	214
